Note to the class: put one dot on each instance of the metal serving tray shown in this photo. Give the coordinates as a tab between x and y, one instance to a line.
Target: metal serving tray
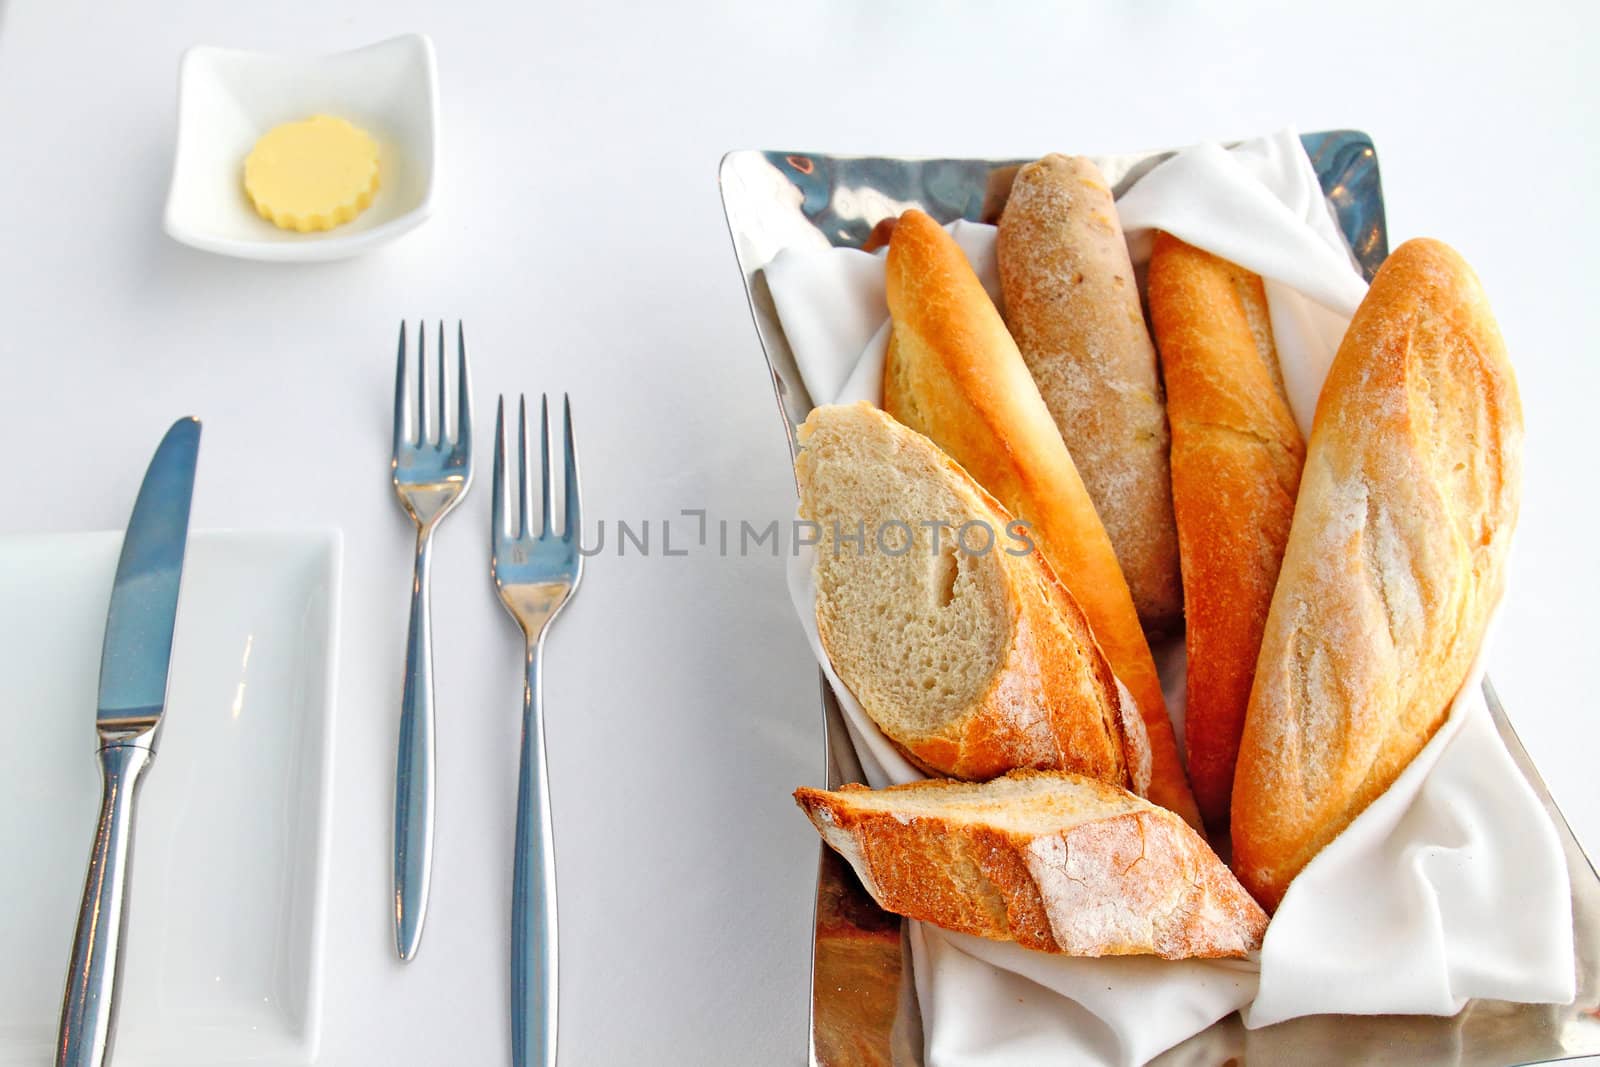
863	1004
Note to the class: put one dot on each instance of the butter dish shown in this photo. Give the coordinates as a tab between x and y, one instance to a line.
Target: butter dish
228	98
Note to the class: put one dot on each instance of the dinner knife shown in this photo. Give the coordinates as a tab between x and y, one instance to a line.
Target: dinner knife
133	695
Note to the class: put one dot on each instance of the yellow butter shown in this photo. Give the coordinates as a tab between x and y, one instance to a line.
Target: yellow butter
312	175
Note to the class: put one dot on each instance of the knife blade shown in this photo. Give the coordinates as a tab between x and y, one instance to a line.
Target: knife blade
144	596
134	666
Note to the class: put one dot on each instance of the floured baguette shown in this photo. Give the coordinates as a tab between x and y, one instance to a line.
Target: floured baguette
954	373
1236	458
1073	306
1395	561
1055	862
973	663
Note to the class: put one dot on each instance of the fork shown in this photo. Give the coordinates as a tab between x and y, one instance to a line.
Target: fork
535	572
431	475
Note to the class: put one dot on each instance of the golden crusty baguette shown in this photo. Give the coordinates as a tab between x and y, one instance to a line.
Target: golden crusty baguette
1056	862
1236	459
973	660
879	237
1073	306
1395	560
954	373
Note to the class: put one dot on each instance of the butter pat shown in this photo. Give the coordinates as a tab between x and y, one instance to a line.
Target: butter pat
312	175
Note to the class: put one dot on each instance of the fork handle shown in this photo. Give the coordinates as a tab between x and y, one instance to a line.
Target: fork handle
533	889
413	781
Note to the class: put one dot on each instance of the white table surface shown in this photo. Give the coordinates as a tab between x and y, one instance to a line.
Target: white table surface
580	235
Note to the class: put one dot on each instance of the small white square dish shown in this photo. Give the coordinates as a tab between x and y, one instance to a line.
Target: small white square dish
228	98
223	959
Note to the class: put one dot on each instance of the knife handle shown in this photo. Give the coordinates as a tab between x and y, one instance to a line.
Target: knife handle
533	889
413	779
89	1006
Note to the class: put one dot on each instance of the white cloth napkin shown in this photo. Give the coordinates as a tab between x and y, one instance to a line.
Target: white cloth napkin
1452	885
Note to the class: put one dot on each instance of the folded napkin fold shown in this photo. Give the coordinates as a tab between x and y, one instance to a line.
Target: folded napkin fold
1452	885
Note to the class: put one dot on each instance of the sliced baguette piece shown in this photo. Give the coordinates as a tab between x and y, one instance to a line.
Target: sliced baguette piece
1056	862
1395	561
972	662
954	373
1236	459
1072	304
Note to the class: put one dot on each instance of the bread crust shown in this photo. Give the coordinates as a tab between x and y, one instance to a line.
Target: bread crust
1236	460
953	372
1072	304
1126	878
1052	704
1395	561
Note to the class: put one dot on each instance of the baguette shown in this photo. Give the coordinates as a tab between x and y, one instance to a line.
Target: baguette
1055	862
1395	561
879	235
972	662
953	372
1073	306
1236	459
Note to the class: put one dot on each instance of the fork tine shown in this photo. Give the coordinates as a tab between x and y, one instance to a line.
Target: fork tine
498	486
571	528
544	465
524	486
463	391
444	422
423	435
402	431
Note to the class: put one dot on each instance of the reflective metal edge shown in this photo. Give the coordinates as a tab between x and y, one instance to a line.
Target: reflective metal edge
863	1007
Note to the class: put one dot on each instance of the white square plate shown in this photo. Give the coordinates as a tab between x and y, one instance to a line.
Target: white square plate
228	98
228	879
